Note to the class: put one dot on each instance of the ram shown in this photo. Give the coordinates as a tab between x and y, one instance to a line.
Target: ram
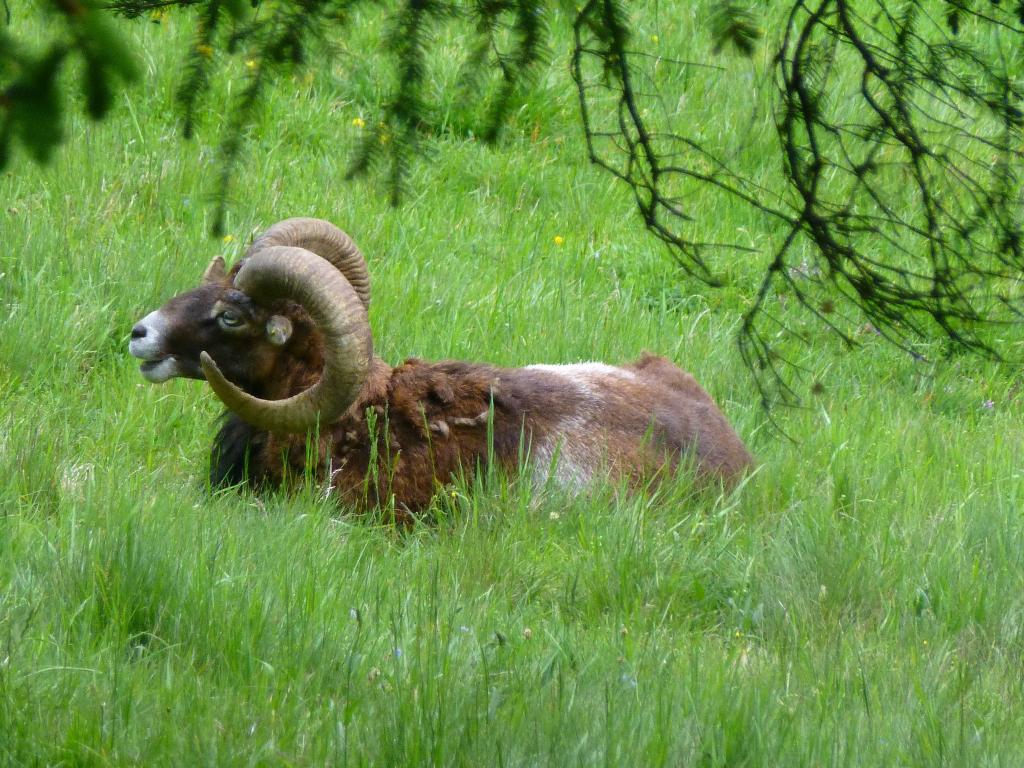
283	339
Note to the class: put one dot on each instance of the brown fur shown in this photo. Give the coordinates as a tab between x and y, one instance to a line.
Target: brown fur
434	421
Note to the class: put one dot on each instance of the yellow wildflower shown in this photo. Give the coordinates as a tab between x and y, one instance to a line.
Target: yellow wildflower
229	239
654	39
559	240
251	64
358	122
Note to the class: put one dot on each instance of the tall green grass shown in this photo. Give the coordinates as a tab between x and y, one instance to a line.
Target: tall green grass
858	602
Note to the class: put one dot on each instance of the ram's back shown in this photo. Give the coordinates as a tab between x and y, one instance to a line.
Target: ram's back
421	424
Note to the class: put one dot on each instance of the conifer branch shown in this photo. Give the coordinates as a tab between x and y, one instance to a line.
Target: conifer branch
900	138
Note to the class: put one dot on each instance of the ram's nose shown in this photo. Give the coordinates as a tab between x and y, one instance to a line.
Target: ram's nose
148	335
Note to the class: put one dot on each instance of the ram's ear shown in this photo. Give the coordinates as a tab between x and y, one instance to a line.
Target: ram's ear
279	330
215	272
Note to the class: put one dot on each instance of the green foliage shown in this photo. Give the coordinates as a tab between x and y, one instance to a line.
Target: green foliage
945	272
510	38
277	38
860	602
734	25
31	100
405	112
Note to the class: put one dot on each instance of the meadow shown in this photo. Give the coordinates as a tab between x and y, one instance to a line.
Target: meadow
858	602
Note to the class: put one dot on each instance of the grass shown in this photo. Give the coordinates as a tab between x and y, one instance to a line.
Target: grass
857	603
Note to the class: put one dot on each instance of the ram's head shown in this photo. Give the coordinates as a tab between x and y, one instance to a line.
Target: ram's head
298	298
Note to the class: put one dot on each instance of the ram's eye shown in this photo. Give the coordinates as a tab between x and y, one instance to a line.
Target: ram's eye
229	319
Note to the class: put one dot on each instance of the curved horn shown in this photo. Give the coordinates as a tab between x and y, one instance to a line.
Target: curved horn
279	272
325	240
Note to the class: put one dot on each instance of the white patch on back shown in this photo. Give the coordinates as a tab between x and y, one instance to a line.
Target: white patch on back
569	456
589	370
